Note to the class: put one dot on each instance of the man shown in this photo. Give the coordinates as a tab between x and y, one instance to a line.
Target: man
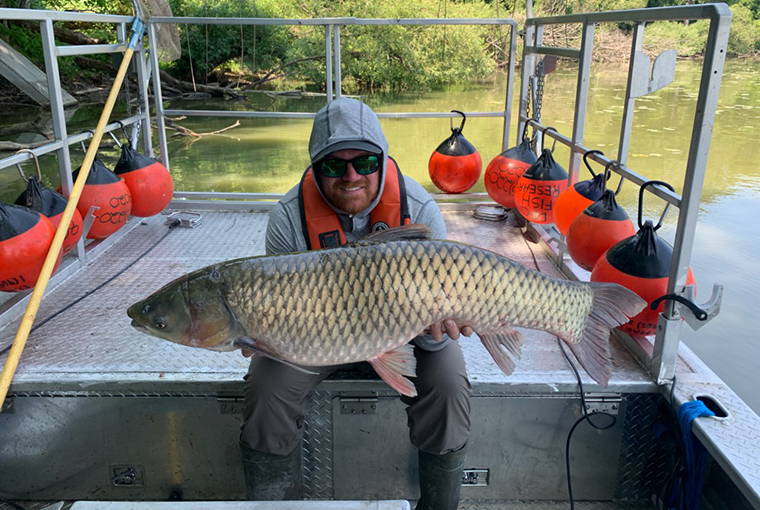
352	189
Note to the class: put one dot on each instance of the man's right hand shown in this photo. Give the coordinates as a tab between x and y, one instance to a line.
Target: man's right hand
450	327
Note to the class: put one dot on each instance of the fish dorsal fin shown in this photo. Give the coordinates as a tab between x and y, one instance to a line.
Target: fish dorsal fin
508	337
249	343
394	365
415	232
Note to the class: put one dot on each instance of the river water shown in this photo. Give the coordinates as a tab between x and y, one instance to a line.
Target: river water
265	155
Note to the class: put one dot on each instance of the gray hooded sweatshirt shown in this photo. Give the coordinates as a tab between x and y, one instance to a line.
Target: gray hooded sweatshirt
346	123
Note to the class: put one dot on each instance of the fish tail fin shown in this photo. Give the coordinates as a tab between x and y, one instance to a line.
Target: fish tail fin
613	305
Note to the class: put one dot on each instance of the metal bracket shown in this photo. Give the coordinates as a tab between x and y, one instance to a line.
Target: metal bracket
475	477
88	220
696	315
662	72
603	403
366	405
186	219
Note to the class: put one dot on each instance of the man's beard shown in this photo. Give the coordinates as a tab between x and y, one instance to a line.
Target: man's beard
351	203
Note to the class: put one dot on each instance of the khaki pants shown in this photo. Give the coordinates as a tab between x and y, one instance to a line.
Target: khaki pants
438	418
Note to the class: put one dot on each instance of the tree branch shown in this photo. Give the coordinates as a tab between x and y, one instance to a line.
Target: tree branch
267	78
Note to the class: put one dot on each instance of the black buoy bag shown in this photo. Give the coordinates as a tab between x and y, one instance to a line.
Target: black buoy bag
50	204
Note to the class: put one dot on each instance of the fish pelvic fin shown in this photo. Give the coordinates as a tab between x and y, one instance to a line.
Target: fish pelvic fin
414	232
613	305
394	365
252	345
504	347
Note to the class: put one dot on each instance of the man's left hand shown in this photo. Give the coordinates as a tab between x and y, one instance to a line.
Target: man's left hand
450	327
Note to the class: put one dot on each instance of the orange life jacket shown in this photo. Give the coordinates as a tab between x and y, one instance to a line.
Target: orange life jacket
321	225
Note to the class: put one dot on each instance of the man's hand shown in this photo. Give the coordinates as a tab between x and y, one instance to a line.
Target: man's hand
450	327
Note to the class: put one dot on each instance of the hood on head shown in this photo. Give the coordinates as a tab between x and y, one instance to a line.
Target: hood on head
347	123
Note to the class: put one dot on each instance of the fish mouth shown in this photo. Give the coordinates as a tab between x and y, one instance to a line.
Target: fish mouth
138	326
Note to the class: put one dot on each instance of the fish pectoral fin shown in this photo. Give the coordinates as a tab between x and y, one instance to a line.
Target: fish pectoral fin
394	365
508	337
246	342
416	231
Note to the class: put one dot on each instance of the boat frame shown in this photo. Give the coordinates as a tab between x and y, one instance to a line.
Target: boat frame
661	355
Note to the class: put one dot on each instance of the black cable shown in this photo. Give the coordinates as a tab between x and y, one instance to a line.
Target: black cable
532	253
586	417
172	226
11	503
673	491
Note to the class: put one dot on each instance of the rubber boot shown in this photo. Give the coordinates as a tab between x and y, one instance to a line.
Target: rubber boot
440	480
271	477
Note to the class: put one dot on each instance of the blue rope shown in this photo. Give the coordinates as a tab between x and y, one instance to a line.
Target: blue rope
696	454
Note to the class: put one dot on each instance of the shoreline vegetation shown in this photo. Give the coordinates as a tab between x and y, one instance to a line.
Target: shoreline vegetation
234	61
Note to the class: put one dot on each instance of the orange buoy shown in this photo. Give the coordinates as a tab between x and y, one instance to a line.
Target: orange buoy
105	190
640	263
577	197
538	188
596	229
50	204
504	170
149	182
25	238
455	164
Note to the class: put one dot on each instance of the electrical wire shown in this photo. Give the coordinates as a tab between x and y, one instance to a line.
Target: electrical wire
586	415
172	226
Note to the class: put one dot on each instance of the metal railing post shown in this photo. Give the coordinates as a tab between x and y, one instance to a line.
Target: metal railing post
59	118
528	63
669	322
336	56
157	97
510	87
142	88
581	99
328	63
630	103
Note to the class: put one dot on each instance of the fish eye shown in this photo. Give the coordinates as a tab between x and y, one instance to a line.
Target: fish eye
160	323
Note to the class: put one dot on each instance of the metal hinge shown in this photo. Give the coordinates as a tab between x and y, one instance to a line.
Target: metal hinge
603	403
475	477
127	476
358	405
230	405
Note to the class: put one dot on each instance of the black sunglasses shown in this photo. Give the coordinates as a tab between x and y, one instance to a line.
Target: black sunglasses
364	165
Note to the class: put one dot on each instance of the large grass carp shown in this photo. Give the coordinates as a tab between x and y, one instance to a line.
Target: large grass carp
367	300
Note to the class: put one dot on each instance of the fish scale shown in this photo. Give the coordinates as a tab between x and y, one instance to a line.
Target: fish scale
477	291
366	301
